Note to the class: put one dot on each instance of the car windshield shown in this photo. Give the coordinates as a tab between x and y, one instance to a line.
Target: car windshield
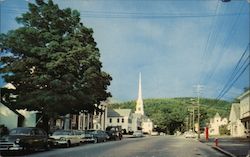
90	132
62	132
20	131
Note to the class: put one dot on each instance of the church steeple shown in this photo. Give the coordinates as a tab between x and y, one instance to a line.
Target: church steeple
139	102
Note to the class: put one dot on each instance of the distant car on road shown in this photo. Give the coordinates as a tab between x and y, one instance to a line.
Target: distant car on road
138	133
189	134
154	133
66	138
24	138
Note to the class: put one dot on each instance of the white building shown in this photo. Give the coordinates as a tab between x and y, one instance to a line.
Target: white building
235	126
215	124
12	118
120	117
147	125
131	121
245	111
239	124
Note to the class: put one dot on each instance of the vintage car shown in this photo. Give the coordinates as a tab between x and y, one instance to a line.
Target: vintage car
138	133
87	136
24	138
66	138
98	135
114	132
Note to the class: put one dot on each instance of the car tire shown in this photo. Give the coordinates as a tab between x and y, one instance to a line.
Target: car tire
95	140
68	144
116	138
26	148
47	146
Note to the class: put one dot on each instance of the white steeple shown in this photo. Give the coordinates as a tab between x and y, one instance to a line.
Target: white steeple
139	102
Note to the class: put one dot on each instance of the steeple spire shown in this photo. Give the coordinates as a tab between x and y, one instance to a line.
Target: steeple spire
139	88
139	102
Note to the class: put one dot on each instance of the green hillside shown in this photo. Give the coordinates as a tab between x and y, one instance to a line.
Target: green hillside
171	114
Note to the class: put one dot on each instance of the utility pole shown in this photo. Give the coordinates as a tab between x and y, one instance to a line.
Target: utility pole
198	90
193	119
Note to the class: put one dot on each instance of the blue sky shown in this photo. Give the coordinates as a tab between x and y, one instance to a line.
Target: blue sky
175	44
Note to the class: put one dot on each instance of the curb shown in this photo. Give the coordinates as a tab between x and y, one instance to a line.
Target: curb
223	151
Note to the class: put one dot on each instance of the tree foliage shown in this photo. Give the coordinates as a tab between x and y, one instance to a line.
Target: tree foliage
55	64
170	114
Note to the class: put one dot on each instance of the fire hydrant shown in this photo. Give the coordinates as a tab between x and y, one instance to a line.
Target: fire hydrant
216	141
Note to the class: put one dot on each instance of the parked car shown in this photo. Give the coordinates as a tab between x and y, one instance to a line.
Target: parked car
114	132
66	138
87	136
99	135
138	133
24	138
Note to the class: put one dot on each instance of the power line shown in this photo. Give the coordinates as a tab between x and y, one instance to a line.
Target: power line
209	37
230	86
235	71
109	14
230	83
225	44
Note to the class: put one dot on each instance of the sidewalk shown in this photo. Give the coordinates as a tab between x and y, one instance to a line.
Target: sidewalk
234	147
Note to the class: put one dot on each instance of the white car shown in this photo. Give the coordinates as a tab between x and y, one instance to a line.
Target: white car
138	133
154	133
66	138
189	134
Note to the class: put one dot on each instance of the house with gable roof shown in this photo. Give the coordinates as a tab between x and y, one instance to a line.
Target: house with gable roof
120	117
12	118
215	124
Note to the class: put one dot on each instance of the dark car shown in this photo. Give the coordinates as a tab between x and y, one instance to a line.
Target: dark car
87	136
24	138
98	135
114	132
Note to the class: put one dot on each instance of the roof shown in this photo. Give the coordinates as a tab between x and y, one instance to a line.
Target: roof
9	86
119	112
13	110
217	115
235	110
244	95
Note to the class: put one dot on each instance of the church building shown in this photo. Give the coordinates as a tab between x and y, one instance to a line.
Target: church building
140	121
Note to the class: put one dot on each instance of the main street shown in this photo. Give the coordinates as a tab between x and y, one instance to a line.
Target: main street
151	146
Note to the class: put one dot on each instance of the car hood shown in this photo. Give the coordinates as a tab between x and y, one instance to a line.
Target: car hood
12	138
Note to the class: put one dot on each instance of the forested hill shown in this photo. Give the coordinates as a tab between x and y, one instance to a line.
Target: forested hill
171	114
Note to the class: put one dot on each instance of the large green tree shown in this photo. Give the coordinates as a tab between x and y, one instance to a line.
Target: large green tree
55	64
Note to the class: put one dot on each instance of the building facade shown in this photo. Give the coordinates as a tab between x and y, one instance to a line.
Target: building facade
235	126
239	118
120	117
215	123
245	111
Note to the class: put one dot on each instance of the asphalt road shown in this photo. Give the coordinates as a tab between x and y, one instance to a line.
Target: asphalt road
152	146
